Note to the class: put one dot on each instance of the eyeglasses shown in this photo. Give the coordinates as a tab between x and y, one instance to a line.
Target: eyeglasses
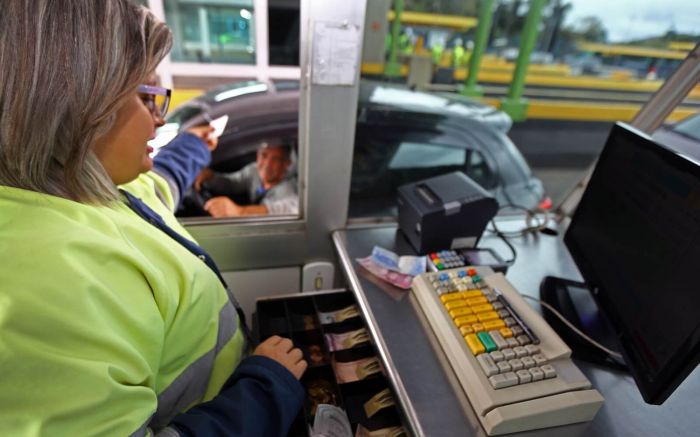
156	99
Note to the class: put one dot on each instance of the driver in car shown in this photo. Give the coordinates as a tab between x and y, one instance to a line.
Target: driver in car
267	183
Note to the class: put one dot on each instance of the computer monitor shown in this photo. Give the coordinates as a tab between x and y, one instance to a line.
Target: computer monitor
635	237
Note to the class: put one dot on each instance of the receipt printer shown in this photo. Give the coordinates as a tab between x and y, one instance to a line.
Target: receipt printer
449	211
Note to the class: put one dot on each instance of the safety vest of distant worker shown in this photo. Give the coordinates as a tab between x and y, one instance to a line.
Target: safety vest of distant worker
140	327
458	56
437	50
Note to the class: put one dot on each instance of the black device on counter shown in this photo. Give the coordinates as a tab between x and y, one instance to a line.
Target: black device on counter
449	211
635	237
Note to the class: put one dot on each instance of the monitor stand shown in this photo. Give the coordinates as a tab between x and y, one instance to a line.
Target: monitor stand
575	302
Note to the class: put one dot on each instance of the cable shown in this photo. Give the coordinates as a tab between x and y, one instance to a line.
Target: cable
610	352
535	220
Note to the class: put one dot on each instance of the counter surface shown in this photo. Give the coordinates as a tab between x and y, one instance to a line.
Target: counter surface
431	397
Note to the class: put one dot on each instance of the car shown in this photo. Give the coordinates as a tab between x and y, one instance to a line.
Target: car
402	135
683	136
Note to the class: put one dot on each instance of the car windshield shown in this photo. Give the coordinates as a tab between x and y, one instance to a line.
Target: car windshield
690	127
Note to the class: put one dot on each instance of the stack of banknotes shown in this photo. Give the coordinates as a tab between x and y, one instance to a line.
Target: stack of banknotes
394	269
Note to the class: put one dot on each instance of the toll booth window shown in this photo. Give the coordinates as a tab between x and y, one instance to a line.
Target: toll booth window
212	32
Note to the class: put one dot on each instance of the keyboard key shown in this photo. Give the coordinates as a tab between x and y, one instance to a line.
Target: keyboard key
532	349
512	342
474	344
506	332
466	330
537	373
485	338
485	307
510	322
539	359
517	330
450	296
516	364
498	339
487	364
494	324
520	351
456	303
523	339
498	306
502	313
459	312
485	317
473	301
472	293
508	353
524	376
490	297
503	367
528	362
549	371
508	379
465	320
478	327
497	356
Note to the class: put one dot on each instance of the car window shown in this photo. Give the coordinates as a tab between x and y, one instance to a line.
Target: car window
420	155
478	169
690	127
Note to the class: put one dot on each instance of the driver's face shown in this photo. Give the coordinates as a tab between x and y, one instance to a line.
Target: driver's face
272	164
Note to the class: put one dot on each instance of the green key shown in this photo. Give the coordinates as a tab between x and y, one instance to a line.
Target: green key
486	340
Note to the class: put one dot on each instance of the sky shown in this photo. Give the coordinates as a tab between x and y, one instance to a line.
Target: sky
633	19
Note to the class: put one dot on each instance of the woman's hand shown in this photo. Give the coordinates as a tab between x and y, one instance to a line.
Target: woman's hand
205	134
283	351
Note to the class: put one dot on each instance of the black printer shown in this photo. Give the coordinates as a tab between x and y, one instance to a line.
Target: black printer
449	211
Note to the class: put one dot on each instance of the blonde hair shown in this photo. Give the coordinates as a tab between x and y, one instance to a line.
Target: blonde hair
65	69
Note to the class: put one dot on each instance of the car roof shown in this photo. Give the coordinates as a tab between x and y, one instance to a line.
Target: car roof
382	95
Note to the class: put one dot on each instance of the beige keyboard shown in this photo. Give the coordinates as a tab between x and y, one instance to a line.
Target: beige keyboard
514	369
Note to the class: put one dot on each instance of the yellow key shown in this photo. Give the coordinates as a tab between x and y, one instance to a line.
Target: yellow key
506	332
450	305
478	327
472	293
489	315
477	300
459	312
474	344
450	296
465	320
466	330
494	324
482	308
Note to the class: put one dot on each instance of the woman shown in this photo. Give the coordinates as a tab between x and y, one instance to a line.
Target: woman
109	324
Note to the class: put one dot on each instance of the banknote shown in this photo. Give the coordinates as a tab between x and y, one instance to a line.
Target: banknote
407	265
339	315
394	278
346	340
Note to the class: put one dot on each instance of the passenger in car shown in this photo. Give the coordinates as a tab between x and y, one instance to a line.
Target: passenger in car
267	183
113	321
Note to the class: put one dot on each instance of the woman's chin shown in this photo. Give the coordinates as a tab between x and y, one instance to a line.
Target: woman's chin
146	164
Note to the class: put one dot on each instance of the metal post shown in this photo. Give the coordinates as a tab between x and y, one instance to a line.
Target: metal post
514	105
482	35
393	68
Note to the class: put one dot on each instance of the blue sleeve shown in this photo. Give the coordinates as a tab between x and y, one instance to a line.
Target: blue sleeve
180	161
261	398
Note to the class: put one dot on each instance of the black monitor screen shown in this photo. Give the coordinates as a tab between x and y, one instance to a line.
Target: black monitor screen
635	236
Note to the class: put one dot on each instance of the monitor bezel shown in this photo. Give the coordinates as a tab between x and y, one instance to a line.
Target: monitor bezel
655	389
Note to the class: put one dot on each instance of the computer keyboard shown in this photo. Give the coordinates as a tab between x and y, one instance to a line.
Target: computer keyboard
514	369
